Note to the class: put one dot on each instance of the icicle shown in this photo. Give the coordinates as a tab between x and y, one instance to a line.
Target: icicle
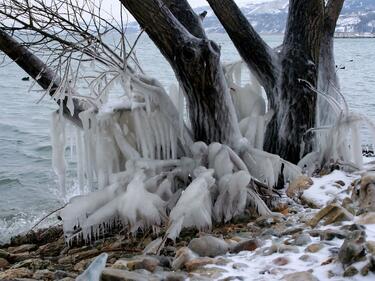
127	150
141	137
232	196
80	160
58	149
193	209
94	271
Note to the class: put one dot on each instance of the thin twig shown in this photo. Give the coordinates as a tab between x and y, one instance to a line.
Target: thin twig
46	216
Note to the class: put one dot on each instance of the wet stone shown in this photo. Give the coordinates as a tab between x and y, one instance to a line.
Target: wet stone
302	239
350	271
353	249
308	258
198	263
239	265
292	230
3	263
315	247
22	248
248	245
280	261
331	234
209	246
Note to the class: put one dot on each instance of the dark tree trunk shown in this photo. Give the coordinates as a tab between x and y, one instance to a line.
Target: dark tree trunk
299	58
33	66
178	34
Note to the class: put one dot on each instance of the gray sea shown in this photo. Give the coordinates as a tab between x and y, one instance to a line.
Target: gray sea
28	186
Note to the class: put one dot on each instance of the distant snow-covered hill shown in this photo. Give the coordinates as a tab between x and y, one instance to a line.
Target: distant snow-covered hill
270	16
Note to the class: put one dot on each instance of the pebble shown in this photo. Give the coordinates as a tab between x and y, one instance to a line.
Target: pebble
198	263
280	261
248	245
302	239
315	247
209	246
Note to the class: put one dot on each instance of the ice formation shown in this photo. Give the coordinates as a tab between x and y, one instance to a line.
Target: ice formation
93	272
339	140
136	158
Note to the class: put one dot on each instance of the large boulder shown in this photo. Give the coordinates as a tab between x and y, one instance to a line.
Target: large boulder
354	248
364	193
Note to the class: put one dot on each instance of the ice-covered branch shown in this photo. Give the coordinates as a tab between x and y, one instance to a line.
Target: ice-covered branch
196	63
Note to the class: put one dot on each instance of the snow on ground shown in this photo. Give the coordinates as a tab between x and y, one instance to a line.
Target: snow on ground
257	267
325	189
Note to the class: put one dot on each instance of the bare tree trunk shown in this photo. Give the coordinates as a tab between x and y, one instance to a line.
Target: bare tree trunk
33	66
178	34
280	74
299	59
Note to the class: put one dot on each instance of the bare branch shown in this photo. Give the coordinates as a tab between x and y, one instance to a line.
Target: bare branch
332	13
259	57
186	16
44	76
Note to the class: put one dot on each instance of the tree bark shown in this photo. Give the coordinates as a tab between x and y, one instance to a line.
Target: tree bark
33	66
196	63
299	59
280	74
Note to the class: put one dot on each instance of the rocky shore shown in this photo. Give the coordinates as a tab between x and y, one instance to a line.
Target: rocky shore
323	230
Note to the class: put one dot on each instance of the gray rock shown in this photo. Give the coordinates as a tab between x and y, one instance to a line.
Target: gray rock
209	246
364	195
353	249
331	234
302	239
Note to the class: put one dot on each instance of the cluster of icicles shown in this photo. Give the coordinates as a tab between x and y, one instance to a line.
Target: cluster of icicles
143	171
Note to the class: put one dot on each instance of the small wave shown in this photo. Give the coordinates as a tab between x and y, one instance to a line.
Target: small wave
44	148
21	223
10	181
